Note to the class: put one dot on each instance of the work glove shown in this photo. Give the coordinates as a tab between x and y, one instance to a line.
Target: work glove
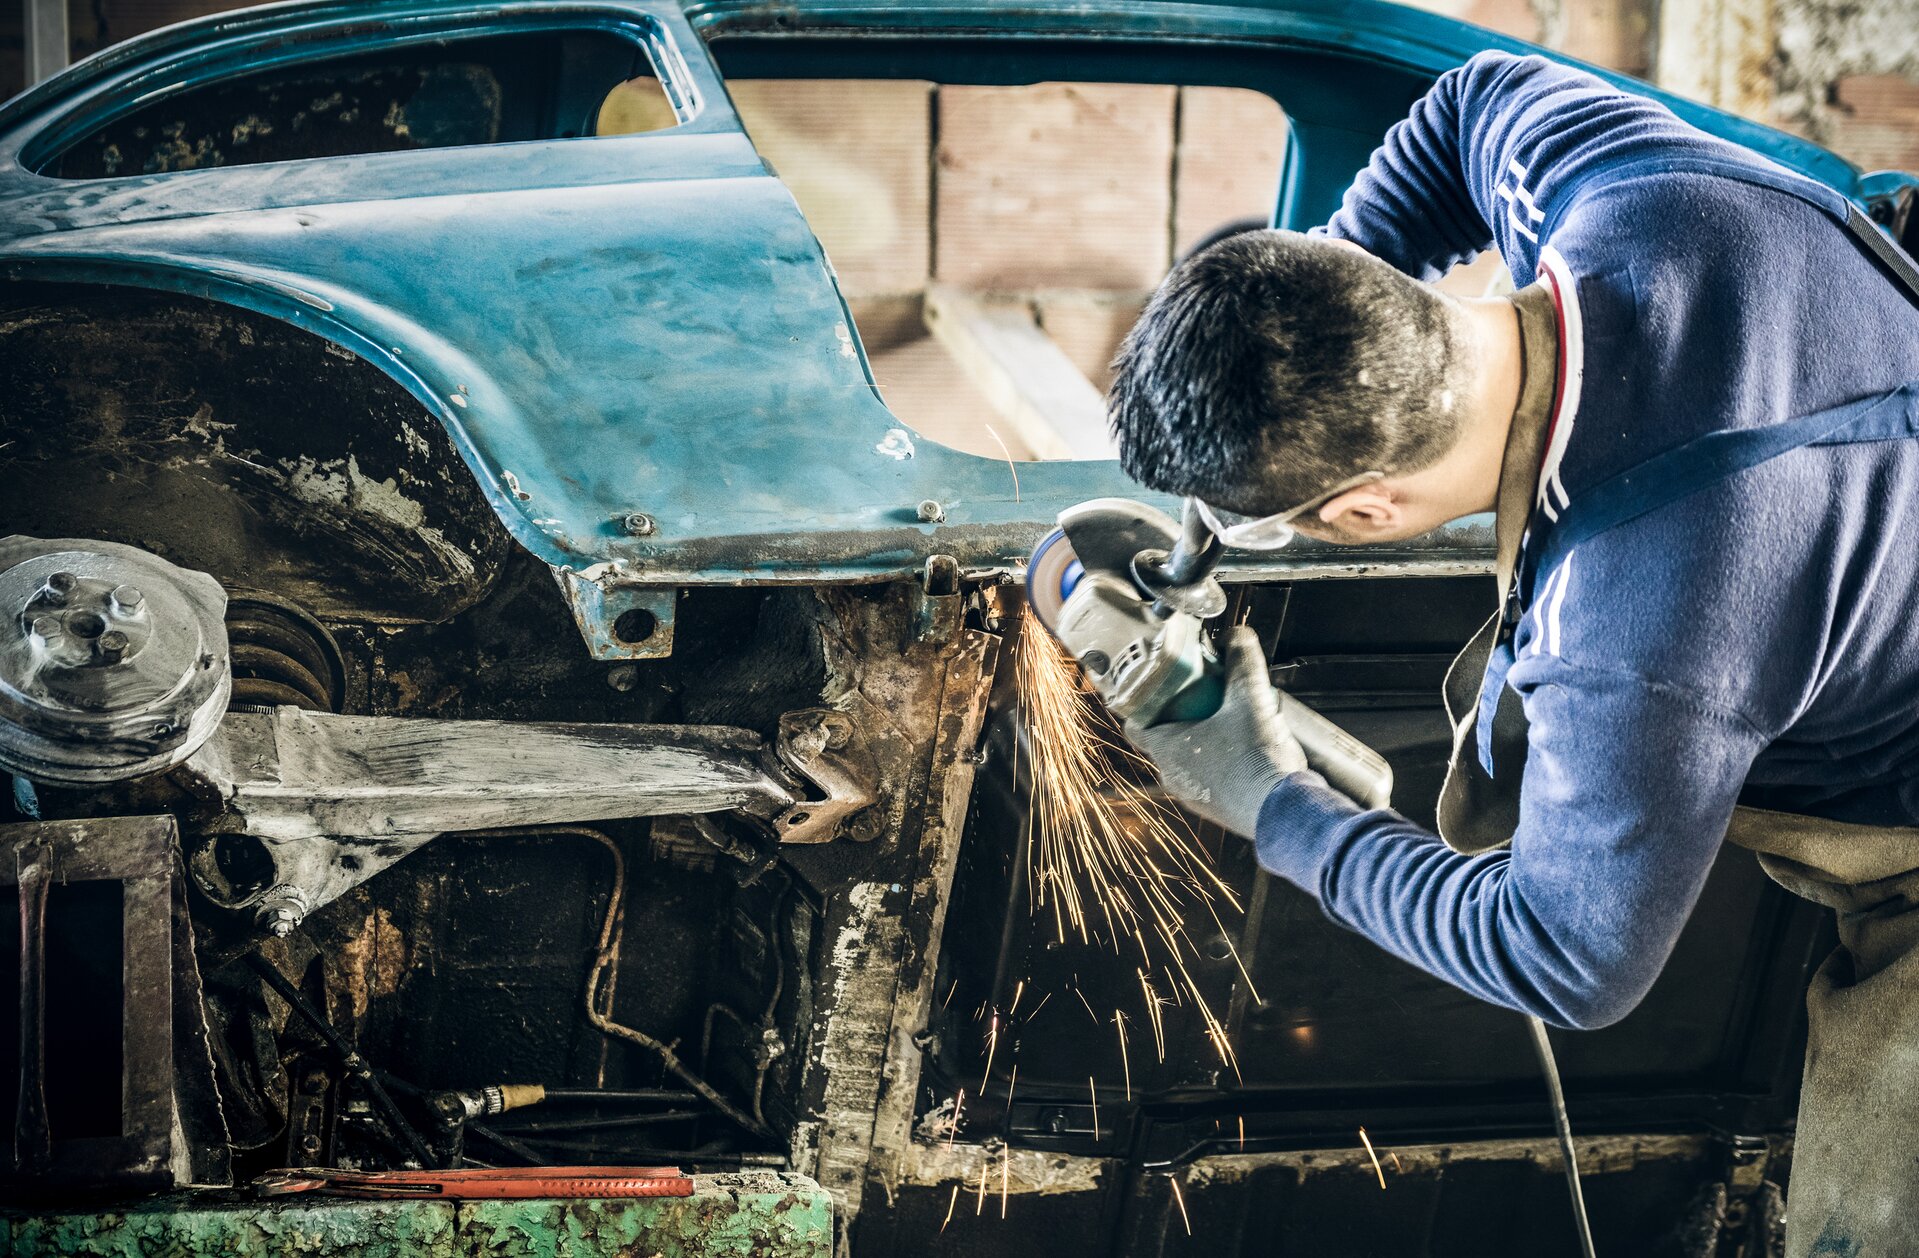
1224	767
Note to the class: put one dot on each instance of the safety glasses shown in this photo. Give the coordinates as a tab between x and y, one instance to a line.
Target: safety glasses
1270	532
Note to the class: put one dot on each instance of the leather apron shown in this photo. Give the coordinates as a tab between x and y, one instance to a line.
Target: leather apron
1854	1189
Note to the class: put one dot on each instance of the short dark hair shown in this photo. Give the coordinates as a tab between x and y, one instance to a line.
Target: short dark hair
1271	366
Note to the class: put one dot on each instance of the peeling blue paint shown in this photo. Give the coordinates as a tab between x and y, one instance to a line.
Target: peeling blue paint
646	323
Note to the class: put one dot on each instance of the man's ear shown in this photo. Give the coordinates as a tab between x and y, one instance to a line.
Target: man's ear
1364	513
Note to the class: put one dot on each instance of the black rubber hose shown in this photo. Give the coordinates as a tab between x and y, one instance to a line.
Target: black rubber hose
1564	1127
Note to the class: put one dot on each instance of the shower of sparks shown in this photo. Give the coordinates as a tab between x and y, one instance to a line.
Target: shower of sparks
959	1104
949	994
1242	1133
1036	1008
1377	1168
1093	1088
992	1045
1180	1197
1011	1083
1125	1062
1154	1004
1019	989
1396	1166
950	1206
1005	1181
980	1204
1086	1002
1092	823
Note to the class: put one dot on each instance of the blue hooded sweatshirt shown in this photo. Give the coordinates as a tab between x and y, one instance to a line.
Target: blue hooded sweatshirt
1755	642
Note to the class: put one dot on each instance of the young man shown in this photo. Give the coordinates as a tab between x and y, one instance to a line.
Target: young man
1694	421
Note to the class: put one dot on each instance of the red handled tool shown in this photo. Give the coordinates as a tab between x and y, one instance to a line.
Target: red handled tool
500	1183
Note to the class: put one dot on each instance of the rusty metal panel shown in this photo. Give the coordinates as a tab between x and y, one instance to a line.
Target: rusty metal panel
142	1122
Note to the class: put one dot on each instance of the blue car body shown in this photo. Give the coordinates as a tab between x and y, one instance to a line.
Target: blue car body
646	323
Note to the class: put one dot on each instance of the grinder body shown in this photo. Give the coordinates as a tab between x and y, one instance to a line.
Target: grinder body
1127	592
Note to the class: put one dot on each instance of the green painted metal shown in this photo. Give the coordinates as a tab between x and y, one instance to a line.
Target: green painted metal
763	1215
191	1226
758	1214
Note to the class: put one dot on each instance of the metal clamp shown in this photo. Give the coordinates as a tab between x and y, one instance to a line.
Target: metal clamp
821	746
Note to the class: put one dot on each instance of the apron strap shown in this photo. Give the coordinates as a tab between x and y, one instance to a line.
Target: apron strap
1673	474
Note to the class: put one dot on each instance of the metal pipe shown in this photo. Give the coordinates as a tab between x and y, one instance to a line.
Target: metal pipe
605	972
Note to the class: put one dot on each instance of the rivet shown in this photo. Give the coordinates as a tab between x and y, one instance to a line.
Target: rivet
931	512
638	524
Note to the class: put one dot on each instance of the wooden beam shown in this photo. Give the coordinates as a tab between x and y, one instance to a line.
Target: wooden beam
1028	380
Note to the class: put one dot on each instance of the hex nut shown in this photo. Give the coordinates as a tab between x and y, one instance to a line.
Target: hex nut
623	677
127	599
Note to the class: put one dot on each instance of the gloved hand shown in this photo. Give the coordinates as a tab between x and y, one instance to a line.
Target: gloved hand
1224	767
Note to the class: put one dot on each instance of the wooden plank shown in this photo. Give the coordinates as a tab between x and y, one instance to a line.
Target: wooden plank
1035	388
1232	142
856	156
1088	327
1054	185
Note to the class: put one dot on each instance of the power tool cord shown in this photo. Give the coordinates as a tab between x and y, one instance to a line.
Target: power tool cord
1563	1125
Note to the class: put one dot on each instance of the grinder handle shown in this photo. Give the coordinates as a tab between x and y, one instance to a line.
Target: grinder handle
1348	765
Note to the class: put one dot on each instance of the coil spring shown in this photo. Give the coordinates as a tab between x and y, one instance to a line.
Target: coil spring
282	656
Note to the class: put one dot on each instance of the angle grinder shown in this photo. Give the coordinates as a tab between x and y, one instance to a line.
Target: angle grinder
1127	592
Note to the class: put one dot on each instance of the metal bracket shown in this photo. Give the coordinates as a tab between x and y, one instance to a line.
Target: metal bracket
621	622
821	745
937	608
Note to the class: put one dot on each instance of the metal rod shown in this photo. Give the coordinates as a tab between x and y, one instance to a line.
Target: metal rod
32	1137
508	1143
355	1064
669	1096
602	1124
1563	1126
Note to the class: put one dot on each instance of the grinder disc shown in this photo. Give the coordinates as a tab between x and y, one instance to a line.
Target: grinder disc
1051	576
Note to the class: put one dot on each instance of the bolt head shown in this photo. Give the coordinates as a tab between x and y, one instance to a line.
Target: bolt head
46	628
623	677
112	645
128	599
638	524
58	587
931	512
280	922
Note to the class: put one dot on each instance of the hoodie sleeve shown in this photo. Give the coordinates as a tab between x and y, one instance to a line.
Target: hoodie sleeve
1486	155
1628	789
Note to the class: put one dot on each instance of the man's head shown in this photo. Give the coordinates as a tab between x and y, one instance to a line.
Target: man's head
1273	367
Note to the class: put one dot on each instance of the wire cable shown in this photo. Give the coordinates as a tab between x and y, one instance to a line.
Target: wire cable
1563	1125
